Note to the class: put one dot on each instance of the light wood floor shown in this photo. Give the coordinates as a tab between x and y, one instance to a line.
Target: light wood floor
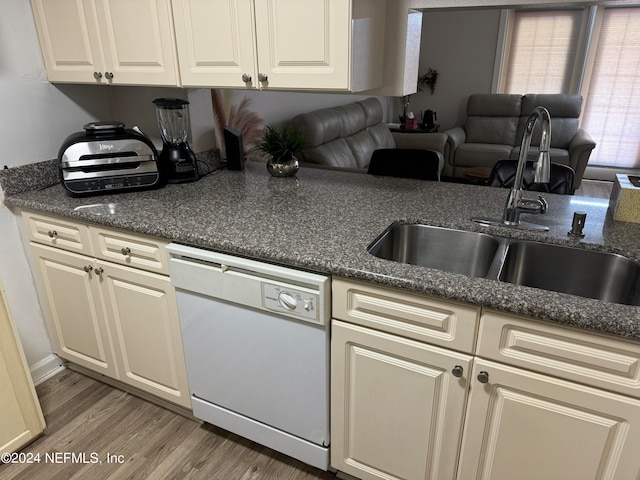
594	189
84	415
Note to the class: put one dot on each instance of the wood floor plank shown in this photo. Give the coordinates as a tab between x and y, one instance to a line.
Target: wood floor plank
86	416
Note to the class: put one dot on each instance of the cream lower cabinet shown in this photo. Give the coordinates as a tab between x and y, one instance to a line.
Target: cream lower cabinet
398	402
21	419
526	426
397	409
77	316
544	401
282	44
120	42
113	319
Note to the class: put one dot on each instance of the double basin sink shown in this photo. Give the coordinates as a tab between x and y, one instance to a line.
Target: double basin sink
585	273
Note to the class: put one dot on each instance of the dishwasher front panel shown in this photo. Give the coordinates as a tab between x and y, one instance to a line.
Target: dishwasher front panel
265	367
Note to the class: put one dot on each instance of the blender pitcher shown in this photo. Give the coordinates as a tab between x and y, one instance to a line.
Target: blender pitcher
177	161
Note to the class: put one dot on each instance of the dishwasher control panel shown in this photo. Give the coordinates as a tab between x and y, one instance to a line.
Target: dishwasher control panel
291	301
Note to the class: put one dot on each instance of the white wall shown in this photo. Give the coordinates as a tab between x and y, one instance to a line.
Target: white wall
461	45
37	117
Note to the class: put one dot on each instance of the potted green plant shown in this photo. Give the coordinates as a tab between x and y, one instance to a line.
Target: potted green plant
280	146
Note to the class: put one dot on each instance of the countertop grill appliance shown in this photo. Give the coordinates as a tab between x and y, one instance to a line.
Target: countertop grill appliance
107	158
256	345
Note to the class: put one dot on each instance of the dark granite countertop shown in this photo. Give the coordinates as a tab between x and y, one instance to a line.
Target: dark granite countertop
323	221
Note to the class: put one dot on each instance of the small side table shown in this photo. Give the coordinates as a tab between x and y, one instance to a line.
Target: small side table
479	174
433	129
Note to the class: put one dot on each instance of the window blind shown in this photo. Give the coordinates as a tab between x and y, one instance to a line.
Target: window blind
612	110
542	51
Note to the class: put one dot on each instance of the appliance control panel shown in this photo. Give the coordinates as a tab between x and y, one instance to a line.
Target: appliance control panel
111	183
292	302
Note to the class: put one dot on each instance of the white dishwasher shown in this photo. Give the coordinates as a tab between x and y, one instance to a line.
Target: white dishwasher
256	344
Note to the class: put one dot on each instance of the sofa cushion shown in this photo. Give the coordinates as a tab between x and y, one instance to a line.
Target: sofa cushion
335	153
344	136
492	118
564	111
480	154
557	155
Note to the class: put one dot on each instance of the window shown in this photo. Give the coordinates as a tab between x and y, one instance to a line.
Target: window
593	51
611	113
543	51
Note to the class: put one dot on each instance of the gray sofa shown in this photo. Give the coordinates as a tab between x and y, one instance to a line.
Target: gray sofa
495	124
344	137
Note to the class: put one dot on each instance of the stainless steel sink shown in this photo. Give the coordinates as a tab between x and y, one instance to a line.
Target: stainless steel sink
586	273
455	251
576	271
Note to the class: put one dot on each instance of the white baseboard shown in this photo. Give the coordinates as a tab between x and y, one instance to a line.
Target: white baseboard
46	368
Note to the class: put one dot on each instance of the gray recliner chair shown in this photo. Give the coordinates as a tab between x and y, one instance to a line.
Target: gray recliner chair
495	124
346	136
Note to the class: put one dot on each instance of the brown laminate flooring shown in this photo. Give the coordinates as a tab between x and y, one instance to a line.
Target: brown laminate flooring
140	439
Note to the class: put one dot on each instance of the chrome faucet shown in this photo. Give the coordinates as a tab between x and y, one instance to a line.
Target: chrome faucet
516	203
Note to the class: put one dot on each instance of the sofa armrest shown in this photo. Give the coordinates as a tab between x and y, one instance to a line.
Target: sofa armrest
456	136
580	148
581	141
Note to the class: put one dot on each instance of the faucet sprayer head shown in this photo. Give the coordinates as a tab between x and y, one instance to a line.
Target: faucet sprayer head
542	171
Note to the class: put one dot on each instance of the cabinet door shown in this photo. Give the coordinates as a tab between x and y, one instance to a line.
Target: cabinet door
529	426
69	39
143	317
396	408
138	41
76	313
304	44
21	419
216	42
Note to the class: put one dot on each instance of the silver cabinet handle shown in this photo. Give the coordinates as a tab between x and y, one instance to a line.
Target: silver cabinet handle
246	78
483	377
125	251
97	75
52	234
99	271
87	268
108	75
457	371
262	77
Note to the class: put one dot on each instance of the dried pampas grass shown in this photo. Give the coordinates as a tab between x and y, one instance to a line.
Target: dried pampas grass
239	117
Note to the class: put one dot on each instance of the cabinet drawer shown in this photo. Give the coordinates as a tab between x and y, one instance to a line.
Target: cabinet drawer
411	315
572	354
132	250
57	232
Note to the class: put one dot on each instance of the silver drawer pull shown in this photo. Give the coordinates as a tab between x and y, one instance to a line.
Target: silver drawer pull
483	377
125	251
52	233
457	371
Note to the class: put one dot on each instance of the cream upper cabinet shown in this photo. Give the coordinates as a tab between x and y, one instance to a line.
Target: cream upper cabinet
126	42
21	419
216	42
529	426
281	44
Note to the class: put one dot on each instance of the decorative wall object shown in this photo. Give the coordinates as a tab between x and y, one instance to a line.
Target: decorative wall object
237	116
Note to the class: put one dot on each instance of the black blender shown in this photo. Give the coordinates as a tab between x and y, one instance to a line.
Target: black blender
177	161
